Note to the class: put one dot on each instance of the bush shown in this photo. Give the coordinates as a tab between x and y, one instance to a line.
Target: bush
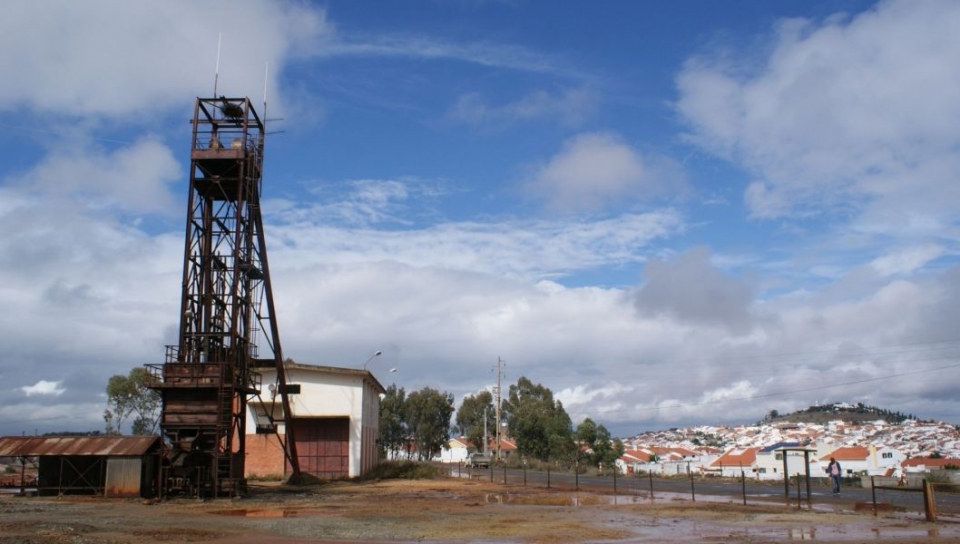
402	470
265	478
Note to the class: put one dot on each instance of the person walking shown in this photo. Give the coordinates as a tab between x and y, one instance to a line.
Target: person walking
834	471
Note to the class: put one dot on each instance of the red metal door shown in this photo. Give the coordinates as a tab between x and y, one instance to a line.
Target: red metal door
323	446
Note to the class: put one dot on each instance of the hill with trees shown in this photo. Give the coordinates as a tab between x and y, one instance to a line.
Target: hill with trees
848	413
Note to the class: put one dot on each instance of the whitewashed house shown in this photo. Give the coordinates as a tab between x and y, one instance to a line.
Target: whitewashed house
336	418
733	462
456	450
866	461
769	461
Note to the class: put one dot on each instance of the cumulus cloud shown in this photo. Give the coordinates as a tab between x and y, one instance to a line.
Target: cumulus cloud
80	67
43	387
690	289
596	169
88	291
846	114
134	178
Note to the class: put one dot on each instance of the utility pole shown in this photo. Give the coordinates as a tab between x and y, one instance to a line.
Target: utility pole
486	441
498	396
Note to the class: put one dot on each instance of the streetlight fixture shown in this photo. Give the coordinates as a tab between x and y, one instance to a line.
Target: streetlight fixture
372	357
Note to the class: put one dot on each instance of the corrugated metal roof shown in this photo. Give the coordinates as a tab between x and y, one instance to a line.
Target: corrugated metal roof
34	446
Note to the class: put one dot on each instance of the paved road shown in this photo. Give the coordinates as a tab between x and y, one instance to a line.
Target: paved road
684	488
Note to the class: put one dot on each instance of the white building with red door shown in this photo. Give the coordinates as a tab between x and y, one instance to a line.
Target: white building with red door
336	419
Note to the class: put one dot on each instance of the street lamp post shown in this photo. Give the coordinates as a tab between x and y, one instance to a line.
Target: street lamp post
372	357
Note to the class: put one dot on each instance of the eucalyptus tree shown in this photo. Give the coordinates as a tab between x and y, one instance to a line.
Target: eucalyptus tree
604	449
428	414
539	424
131	395
393	422
476	413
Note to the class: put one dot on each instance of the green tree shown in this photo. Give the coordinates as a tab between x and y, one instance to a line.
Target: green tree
537	422
474	412
618	450
393	421
428	414
605	451
130	396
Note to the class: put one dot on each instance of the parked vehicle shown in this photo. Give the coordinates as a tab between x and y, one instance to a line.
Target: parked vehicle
478	460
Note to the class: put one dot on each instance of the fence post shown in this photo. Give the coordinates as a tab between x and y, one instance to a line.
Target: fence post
576	474
799	495
504	474
693	492
786	479
614	479
873	495
743	483
929	503
524	473
548	475
650	474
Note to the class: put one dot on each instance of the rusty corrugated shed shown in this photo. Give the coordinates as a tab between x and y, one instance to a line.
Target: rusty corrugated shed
123	477
36	446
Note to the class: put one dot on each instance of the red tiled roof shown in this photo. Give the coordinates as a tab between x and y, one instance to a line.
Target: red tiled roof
848	453
737	456
639	455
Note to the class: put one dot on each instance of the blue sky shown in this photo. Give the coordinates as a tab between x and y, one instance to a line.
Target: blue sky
669	213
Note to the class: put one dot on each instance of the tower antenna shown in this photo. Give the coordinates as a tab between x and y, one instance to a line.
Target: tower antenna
216	72
266	70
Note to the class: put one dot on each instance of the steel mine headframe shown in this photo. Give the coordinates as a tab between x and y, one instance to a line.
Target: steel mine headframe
228	326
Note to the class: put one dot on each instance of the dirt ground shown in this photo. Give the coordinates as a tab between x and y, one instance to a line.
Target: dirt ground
443	510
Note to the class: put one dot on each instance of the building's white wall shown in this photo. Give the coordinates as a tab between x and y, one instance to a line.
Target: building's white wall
453	451
769	467
333	394
883	459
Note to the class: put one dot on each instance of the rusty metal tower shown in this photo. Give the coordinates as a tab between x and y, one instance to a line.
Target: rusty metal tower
228	325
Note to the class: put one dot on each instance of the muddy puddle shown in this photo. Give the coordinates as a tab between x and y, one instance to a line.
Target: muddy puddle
562	500
692	530
274	513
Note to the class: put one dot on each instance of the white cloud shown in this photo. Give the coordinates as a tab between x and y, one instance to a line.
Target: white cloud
134	178
851	113
43	387
79	62
570	107
596	169
519	248
907	260
690	289
28	417
484	54
88	291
